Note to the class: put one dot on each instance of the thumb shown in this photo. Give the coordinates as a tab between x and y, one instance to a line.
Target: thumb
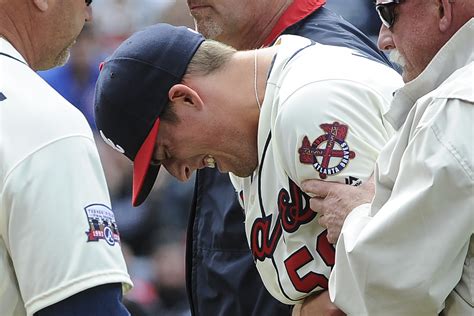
315	188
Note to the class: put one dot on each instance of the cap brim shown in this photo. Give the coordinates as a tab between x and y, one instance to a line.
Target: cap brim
144	174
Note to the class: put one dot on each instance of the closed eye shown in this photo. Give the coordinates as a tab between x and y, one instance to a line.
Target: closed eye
155	162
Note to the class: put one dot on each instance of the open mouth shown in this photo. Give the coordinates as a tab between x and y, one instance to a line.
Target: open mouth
209	161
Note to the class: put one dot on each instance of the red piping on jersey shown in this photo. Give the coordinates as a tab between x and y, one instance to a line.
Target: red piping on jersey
297	11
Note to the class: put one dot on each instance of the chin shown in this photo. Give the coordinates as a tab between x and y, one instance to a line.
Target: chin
63	57
244	173
408	76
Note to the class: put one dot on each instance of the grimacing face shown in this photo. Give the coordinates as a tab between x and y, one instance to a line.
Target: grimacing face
185	146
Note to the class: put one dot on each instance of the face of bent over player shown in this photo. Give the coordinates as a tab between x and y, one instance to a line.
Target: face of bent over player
66	19
412	39
201	136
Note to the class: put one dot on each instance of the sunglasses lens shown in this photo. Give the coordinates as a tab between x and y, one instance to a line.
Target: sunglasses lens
386	14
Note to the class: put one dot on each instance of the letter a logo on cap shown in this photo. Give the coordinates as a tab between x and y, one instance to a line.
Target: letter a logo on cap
111	143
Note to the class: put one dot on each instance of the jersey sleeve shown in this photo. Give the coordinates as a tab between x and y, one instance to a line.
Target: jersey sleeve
331	130
97	301
60	231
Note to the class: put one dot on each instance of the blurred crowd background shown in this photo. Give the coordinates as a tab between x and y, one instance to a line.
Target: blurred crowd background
154	234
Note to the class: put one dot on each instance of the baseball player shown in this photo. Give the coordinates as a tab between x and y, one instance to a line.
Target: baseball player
59	243
272	118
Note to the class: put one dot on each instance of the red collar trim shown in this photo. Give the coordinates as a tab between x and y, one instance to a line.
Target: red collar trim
297	11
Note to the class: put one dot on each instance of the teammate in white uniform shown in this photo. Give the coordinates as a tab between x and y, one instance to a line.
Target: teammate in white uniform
58	235
321	118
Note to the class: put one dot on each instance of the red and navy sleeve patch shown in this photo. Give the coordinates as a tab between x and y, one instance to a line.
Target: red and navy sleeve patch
102	224
326	149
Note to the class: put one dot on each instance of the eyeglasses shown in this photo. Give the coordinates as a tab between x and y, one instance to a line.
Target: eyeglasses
88	2
386	11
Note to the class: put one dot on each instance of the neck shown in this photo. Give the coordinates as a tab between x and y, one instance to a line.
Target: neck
242	69
254	36
232	89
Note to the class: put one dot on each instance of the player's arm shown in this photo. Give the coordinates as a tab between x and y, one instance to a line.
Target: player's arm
301	132
97	301
56	199
346	110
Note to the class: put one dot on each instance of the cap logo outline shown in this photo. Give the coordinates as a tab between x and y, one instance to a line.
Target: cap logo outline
109	142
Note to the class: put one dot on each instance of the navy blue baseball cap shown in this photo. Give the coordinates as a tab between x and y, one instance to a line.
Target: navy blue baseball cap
132	91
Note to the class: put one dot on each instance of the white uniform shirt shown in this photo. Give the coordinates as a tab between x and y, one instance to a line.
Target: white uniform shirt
405	253
322	117
58	235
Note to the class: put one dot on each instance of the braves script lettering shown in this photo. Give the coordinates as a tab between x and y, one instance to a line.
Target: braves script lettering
294	211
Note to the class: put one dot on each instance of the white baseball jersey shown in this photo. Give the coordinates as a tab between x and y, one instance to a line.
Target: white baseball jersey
322	118
58	234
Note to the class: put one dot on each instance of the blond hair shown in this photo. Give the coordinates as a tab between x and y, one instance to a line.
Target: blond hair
210	56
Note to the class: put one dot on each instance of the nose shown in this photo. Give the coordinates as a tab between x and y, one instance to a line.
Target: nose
88	13
385	40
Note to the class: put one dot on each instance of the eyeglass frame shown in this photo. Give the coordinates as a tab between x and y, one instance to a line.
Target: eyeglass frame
389	7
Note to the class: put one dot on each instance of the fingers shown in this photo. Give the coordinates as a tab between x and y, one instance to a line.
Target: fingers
322	221
319	188
333	231
332	236
315	187
317	204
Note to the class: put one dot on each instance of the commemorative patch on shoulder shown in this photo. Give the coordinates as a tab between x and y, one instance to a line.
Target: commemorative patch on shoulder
329	153
102	224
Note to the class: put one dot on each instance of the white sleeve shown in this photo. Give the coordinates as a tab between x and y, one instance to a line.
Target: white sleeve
350	111
406	257
320	120
61	233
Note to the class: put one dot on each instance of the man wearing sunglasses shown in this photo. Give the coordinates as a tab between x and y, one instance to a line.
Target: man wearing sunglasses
410	249
60	248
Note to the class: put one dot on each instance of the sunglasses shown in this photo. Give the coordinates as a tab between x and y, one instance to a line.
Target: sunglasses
88	2
386	11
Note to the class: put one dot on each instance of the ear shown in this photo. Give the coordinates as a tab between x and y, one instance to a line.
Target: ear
445	15
42	5
185	95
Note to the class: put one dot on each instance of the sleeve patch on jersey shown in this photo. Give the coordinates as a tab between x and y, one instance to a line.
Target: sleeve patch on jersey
2	97
102	224
329	153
